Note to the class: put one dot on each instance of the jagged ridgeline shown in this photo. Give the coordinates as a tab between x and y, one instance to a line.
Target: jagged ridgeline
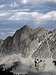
36	46
27	39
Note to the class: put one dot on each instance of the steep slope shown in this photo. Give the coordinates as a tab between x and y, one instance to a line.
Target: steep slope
18	42
23	41
28	41
28	45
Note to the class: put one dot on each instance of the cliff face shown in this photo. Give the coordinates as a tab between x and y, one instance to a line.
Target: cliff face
39	42
18	42
30	46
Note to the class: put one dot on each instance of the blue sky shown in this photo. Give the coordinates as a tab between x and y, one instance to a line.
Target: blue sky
16	13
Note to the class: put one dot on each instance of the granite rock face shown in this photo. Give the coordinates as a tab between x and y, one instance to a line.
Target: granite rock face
27	41
36	46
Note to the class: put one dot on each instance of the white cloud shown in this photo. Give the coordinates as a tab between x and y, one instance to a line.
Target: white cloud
36	16
45	17
4	15
20	16
2	6
3	35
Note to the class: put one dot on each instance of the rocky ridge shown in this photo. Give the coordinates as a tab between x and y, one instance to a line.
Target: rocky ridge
33	44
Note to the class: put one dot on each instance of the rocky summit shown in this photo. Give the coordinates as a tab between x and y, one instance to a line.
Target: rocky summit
33	48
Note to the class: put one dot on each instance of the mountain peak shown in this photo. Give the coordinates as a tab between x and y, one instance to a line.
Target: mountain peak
26	27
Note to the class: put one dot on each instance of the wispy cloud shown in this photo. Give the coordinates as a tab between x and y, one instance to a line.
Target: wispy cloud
35	15
15	15
2	6
18	3
35	12
44	17
35	1
3	35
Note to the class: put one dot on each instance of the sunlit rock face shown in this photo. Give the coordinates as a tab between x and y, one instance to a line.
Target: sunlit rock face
32	49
